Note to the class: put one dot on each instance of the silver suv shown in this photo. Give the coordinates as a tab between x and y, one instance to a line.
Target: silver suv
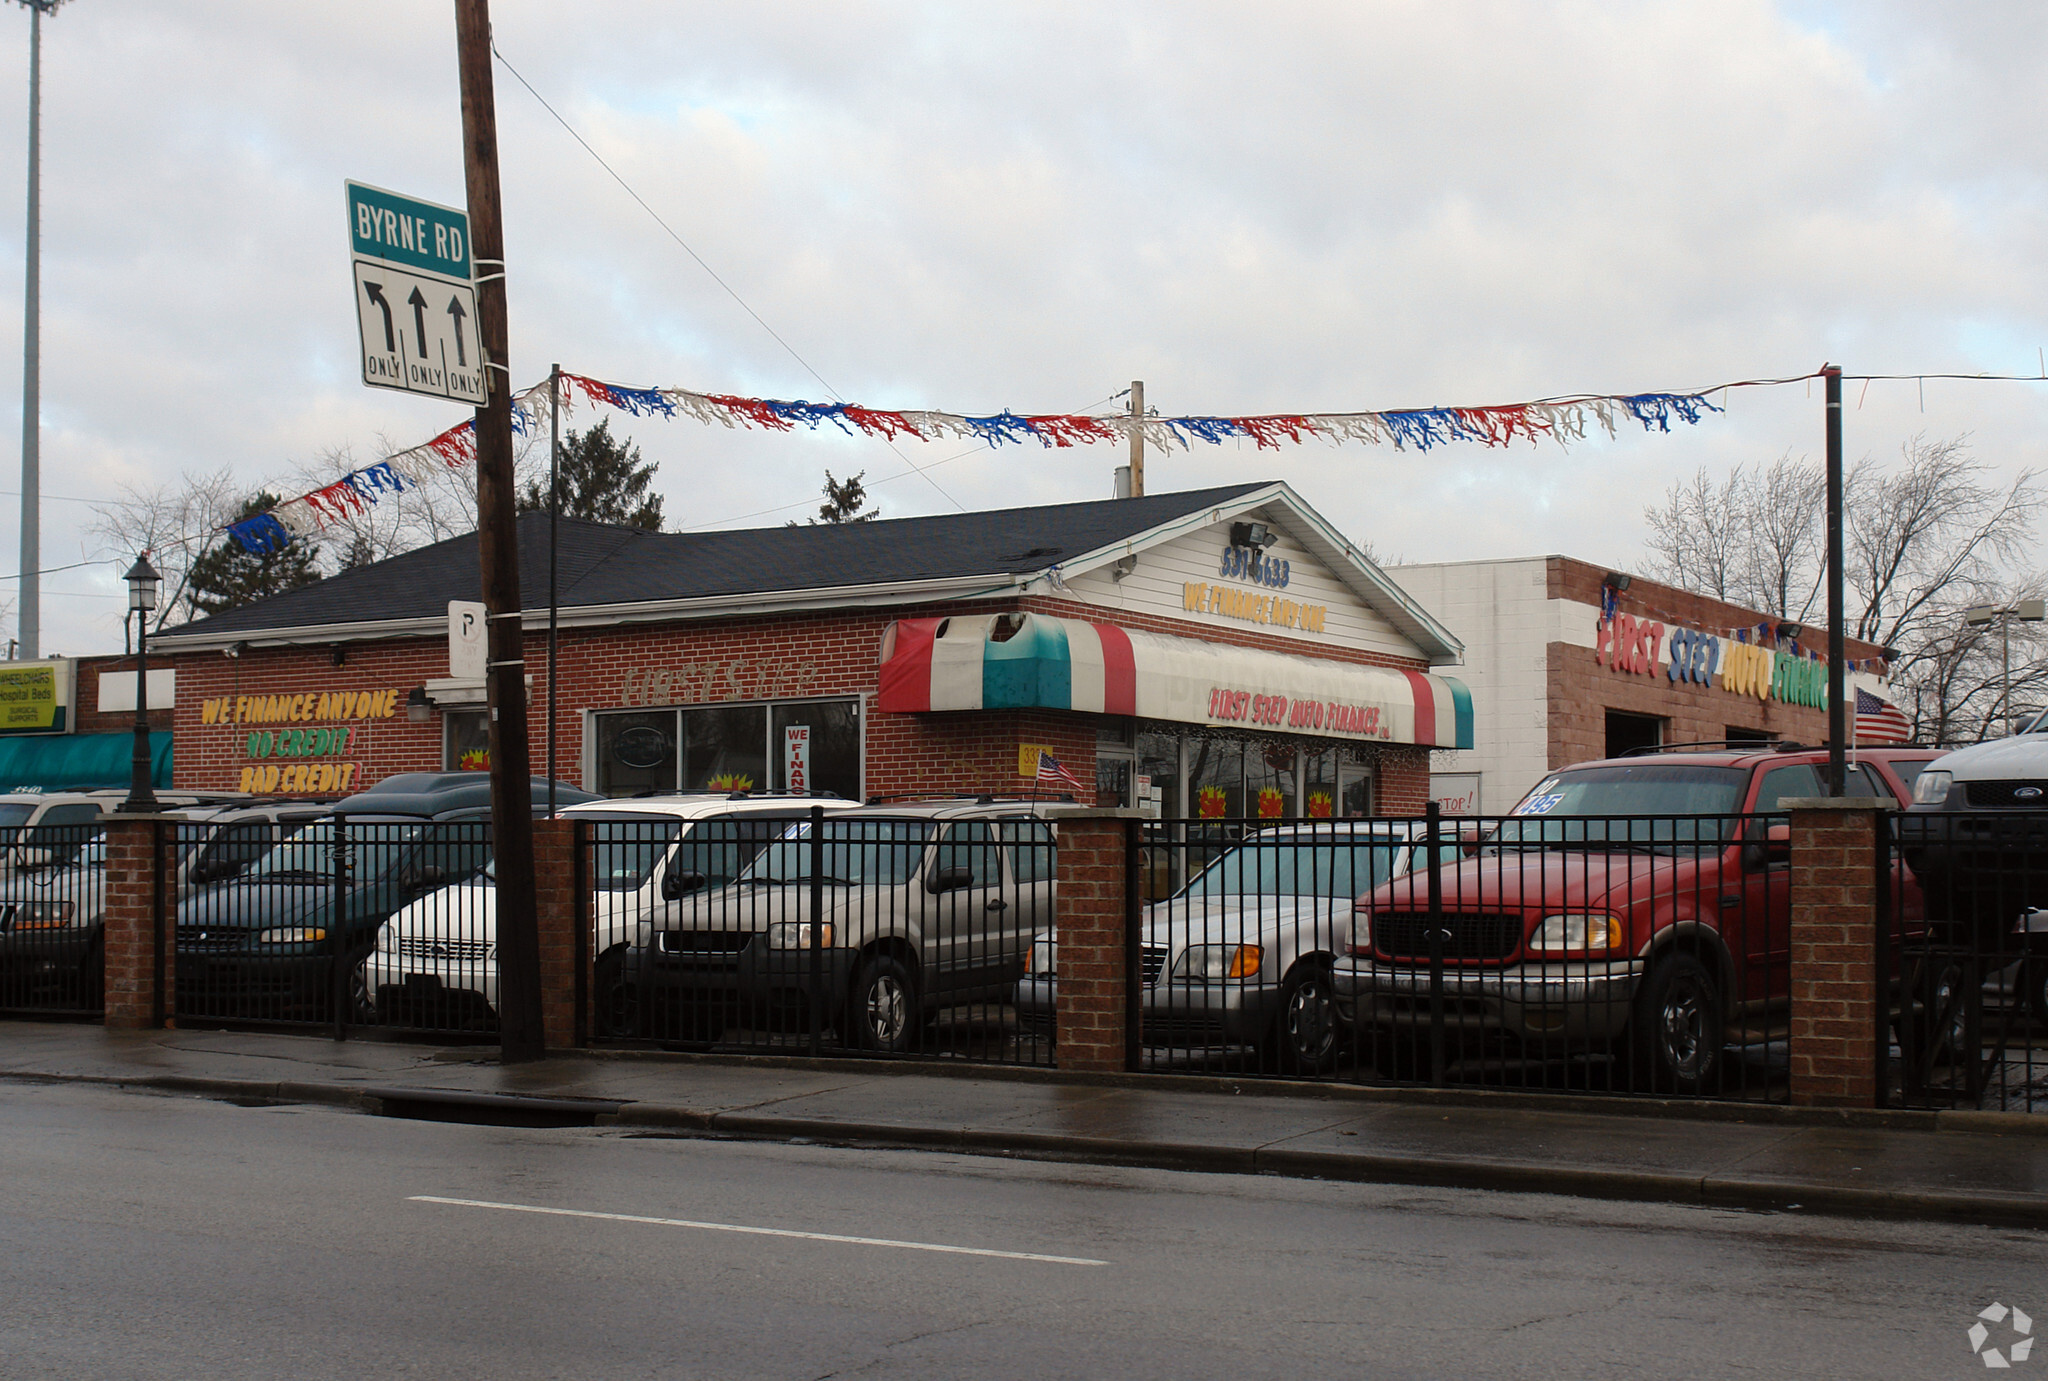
881	920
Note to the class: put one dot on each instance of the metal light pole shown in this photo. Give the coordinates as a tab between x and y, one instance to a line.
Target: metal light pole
143	583
29	620
2026	611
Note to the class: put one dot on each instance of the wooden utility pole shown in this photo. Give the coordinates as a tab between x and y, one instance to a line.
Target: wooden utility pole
519	1007
1137	438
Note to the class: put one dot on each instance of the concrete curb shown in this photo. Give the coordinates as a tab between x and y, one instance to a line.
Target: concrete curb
1499	1175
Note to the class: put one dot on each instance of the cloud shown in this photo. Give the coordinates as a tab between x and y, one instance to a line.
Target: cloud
1306	206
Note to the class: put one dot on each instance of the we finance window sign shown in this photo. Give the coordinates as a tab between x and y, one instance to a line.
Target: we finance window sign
1645	647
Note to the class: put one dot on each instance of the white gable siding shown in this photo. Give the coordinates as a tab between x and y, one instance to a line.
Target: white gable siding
1501	611
1158	586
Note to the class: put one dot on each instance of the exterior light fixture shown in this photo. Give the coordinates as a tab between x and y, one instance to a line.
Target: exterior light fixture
144	584
1252	535
1791	630
1617	580
418	708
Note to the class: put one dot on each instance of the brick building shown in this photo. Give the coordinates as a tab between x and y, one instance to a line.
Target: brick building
1223	651
1569	662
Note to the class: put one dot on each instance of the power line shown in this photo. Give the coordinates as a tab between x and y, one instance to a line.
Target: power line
729	289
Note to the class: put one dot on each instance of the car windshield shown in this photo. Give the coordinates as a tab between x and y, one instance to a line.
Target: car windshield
856	852
624	852
14	814
1298	869
1671	803
308	856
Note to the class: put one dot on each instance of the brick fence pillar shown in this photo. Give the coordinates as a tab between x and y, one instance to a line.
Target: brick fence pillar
554	874
139	953
1092	1020
1837	1003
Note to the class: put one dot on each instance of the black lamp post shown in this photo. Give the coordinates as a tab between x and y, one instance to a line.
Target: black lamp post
143	582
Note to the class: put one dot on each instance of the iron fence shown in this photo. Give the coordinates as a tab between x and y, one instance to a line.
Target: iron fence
1963	956
884	935
1623	954
339	923
53	919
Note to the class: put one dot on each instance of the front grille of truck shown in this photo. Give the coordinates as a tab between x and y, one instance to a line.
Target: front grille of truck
1994	794
1406	936
1152	961
703	945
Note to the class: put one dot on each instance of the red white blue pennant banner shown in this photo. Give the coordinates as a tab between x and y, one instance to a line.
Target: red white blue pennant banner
1561	420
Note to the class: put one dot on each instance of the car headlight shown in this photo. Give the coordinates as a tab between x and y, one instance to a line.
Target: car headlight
291	935
1589	934
1206	963
797	935
1932	788
1361	932
1042	959
43	915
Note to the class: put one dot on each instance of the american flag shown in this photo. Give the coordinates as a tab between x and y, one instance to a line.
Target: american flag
1049	770
1878	720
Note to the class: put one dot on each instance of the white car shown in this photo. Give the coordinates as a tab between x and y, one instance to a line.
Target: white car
436	961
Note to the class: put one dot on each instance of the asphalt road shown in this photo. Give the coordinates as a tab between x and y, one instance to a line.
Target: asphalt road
149	1236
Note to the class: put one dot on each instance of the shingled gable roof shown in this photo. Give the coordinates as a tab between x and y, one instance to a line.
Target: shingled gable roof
623	574
605	566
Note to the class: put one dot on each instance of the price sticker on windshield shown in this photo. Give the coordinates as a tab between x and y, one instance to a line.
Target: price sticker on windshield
1540	805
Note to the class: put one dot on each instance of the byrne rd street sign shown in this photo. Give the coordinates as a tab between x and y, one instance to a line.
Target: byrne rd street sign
415	306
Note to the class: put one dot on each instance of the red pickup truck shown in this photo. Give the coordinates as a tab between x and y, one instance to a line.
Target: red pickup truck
1634	907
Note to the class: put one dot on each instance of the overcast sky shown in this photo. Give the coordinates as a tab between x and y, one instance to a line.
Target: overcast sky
1270	208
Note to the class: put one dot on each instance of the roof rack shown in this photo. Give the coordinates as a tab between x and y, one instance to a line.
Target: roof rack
1723	744
723	794
980	798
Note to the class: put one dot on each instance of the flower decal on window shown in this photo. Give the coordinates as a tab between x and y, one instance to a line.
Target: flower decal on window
1211	802
731	781
1271	803
1319	805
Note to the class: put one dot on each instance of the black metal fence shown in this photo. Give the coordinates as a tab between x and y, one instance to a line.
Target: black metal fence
338	923
893	936
1636	954
1963	955
52	919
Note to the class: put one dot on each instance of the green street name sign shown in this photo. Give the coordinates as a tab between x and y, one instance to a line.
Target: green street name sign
408	232
415	304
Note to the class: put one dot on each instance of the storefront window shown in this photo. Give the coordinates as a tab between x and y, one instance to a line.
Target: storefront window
1319	781
1270	781
636	752
1216	779
834	746
726	749
466	741
1159	775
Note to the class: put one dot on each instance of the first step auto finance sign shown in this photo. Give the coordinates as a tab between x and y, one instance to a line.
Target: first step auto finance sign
415	302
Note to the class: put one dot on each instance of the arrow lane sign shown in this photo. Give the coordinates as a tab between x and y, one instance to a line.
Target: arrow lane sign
419	319
455	310
376	292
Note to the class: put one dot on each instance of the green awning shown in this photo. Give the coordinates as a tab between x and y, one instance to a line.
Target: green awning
80	762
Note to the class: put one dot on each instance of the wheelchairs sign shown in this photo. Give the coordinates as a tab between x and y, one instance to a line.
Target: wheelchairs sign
415	302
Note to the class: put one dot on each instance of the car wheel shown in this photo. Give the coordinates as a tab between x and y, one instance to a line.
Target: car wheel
1397	1055
883	1012
1679	1027
614	999
1939	1020
92	979
1305	1032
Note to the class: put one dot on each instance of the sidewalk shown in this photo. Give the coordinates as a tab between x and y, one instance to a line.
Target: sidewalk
1975	1167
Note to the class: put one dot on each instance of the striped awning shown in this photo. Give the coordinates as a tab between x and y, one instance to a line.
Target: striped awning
1034	661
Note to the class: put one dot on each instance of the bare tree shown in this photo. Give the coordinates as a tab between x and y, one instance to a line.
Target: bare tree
1923	540
176	524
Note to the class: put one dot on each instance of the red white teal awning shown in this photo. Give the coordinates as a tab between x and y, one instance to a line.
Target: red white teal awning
1034	661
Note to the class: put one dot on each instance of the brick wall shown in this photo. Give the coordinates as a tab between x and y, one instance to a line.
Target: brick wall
554	871
696	662
1091	972
1835	1000
136	998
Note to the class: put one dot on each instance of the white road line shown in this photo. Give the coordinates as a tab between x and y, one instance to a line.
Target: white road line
758	1232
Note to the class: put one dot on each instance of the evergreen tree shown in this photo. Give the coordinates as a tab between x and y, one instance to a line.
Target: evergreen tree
844	500
600	479
226	576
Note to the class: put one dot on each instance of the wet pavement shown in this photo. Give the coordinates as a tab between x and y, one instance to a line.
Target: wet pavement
1976	1167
